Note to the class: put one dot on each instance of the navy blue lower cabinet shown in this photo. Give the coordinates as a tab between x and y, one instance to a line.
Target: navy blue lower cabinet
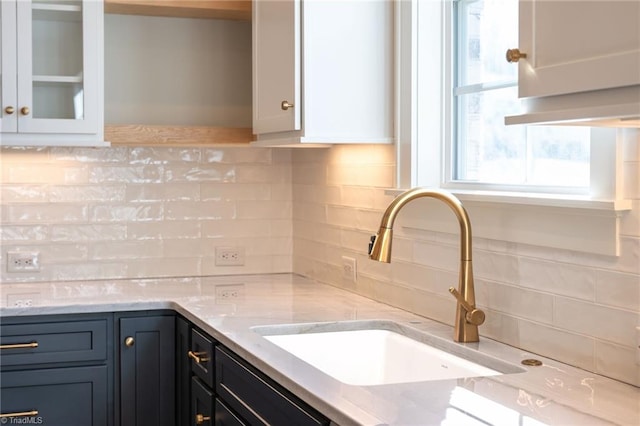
256	398
201	403
183	372
74	396
147	370
226	417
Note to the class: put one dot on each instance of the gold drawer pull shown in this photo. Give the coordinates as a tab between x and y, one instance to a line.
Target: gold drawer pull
31	413
20	346
198	357
201	419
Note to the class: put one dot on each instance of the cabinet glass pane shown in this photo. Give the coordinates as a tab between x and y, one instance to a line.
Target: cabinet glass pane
57	59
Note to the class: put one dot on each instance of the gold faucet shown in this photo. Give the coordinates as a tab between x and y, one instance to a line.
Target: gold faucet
468	317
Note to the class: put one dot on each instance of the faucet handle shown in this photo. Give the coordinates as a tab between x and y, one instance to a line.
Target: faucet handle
473	316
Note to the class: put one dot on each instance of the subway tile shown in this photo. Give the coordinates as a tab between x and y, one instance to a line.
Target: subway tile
135	174
309	174
559	278
45	213
152	155
235	191
45	173
22	154
516	301
85	193
126	213
24	193
436	255
252	173
91	232
571	348
163	230
281	228
162	192
89	155
191	248
89	271
169	267
126	250
251	155
23	233
618	289
496	266
248	209
617	362
605	323
194	210
630	221
199	173
234	228
358	197
52	254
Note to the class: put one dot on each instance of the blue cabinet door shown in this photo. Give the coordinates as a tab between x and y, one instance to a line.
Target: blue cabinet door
147	371
74	396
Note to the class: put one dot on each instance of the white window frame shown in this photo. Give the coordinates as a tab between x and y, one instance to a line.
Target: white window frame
549	220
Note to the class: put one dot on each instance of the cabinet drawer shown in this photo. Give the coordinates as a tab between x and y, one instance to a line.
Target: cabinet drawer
58	397
201	355
201	403
57	342
241	386
226	417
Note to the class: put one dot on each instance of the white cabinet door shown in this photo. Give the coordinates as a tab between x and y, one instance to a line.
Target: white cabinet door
333	60
276	66
578	46
8	79
51	61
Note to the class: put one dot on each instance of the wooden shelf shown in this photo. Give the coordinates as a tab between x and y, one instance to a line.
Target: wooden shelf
210	9
145	135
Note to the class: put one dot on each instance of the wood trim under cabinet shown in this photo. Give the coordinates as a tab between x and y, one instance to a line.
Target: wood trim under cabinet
147	135
210	9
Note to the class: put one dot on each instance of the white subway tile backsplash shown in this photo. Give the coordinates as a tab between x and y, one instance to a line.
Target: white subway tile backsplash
602	322
23	233
90	232
617	362
151	155
54	213
89	155
559	278
236	191
163	230
134	174
177	172
126	250
126	213
85	193
558	344
162	192
618	289
200	210
24	193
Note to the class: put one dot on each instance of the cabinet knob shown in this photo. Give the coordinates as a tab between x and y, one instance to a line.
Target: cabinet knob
25	110
9	110
285	105
514	55
201	419
129	341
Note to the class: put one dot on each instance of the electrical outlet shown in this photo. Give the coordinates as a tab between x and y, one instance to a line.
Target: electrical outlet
23	300
349	268
23	261
229	292
229	256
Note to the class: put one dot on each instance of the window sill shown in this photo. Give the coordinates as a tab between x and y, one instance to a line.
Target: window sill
569	223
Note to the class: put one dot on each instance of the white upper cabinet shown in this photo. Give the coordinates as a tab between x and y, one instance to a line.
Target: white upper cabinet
582	62
323	71
51	67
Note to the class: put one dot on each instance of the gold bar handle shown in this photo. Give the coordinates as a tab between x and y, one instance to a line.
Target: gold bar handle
31	345
198	357
474	315
31	413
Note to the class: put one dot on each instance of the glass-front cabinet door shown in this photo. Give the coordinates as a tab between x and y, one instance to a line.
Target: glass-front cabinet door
57	54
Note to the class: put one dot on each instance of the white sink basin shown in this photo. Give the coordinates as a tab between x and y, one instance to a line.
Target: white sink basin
367	353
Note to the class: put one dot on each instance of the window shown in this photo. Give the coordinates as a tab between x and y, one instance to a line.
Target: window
484	151
454	90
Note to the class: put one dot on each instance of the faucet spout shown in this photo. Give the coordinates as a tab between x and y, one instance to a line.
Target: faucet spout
468	317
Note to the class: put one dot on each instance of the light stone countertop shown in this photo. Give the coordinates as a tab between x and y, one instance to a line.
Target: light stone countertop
554	393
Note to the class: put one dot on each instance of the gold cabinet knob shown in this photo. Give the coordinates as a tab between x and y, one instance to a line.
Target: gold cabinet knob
9	110
25	110
514	55
285	105
201	419
129	341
